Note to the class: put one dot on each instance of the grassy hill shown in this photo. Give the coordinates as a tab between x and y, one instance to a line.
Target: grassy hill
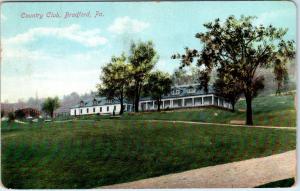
267	110
86	154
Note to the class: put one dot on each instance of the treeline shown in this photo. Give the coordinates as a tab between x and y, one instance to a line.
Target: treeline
66	102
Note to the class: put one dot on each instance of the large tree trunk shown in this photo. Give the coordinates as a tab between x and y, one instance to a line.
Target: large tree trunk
232	105
122	105
136	103
52	114
136	98
249	120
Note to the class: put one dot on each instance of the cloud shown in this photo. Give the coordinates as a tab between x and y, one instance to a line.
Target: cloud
46	71
49	74
127	25
88	38
271	16
3	17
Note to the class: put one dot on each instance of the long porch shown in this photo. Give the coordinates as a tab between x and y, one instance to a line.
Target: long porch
185	102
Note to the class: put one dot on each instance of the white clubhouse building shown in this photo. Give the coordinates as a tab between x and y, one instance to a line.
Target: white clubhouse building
185	96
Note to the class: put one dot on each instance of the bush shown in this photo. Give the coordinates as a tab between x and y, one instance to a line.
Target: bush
11	116
20	114
2	113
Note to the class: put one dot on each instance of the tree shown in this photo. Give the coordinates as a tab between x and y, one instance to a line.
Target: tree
159	84
228	87
50	105
281	75
142	58
182	76
240	49
2	113
11	116
130	93
20	114
115	76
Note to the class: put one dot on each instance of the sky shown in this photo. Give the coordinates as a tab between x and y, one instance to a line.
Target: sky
55	56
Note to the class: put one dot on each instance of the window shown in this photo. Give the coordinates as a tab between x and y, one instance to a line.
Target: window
94	101
80	111
100	109
87	110
75	112
175	92
191	90
116	108
81	103
94	110
107	108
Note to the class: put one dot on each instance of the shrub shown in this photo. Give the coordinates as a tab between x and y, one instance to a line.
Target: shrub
19	114
11	116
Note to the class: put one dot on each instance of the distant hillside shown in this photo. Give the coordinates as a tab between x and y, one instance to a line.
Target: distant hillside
66	102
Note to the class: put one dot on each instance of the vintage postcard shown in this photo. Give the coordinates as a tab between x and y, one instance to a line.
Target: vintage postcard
182	94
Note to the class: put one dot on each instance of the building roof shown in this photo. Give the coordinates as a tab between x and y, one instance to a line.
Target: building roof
184	91
97	101
176	92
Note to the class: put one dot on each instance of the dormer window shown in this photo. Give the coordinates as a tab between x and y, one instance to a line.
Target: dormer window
175	92
81	103
94	102
191	90
109	101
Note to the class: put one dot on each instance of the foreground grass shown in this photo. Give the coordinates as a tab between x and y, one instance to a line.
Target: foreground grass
86	154
269	111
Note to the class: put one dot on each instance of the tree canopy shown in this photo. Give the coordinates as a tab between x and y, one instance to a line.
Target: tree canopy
115	76
50	105
142	58
159	84
238	48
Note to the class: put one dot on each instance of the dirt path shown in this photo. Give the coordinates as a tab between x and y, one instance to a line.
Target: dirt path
242	174
224	124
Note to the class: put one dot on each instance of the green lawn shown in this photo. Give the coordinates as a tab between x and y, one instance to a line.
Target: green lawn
269	110
87	154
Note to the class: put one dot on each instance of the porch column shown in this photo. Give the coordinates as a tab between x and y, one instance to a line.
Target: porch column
212	99
218	101
202	101
163	104
193	101
182	102
171	103
153	103
146	108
